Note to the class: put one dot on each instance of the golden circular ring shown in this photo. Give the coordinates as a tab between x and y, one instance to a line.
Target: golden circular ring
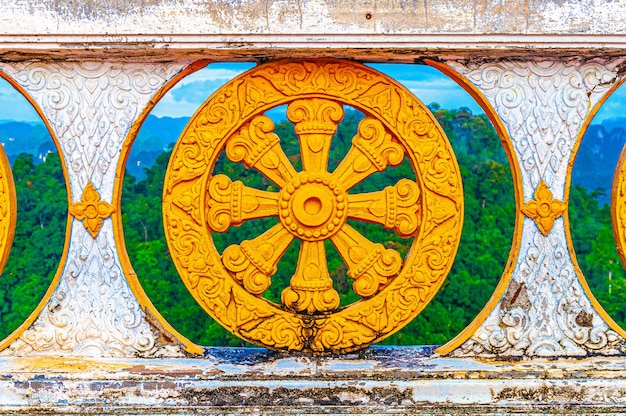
313	206
8	208
618	206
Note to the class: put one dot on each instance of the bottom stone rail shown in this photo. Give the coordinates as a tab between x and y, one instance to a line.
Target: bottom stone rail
380	380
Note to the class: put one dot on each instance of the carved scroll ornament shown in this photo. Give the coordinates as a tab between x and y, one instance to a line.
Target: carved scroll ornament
313	205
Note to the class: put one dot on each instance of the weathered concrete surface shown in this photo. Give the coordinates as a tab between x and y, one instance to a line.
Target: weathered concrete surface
173	17
379	380
209	28
254	381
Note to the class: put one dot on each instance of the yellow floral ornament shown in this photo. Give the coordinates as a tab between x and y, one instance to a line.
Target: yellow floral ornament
544	209
92	210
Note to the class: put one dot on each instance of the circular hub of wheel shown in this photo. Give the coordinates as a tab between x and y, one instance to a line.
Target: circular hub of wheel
313	205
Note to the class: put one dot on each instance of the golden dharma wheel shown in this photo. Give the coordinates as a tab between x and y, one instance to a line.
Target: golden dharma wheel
313	205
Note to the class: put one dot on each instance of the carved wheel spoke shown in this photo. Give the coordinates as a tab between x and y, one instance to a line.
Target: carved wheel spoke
315	122
396	207
372	151
232	203
253	262
311	288
370	265
257	146
313	206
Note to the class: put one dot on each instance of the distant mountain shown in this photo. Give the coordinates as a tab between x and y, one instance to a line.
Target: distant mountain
598	155
155	135
22	137
594	167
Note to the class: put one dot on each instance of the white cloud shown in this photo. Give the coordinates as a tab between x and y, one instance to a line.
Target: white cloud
428	84
190	92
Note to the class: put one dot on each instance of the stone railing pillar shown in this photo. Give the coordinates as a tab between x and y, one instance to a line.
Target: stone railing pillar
542	306
92	308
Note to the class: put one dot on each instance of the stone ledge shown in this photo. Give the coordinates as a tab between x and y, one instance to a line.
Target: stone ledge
254	381
407	48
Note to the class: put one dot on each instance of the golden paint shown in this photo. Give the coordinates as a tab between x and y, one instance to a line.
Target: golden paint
152	314
6	342
503	284
313	206
618	206
544	209
8	208
91	210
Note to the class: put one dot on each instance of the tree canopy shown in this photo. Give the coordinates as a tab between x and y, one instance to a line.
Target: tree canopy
483	252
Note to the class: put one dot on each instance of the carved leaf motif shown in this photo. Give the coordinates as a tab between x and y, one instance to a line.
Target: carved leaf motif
544	209
91	211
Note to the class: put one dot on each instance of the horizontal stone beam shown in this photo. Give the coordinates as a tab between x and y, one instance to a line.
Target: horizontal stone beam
379	380
253	29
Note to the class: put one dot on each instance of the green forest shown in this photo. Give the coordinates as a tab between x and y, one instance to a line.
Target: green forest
482	255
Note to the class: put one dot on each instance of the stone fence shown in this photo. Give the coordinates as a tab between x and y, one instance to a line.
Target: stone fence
96	344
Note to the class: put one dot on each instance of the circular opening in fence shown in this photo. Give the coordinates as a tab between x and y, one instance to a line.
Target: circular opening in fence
39	237
590	206
489	202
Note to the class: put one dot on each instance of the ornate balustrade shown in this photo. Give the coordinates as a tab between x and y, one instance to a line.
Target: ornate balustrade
95	344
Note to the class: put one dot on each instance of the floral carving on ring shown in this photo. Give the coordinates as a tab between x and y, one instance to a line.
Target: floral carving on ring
8	208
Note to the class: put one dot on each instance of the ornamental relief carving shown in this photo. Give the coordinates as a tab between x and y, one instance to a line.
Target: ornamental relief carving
545	310
90	107
8	210
312	206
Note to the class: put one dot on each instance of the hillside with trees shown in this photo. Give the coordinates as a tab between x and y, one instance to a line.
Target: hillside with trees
483	252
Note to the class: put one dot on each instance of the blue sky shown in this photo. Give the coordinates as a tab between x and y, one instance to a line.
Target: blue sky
428	84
